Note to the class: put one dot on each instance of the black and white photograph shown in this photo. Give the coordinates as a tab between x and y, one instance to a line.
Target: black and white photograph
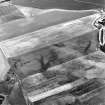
52	52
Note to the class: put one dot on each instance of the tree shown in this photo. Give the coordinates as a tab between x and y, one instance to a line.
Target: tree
52	58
